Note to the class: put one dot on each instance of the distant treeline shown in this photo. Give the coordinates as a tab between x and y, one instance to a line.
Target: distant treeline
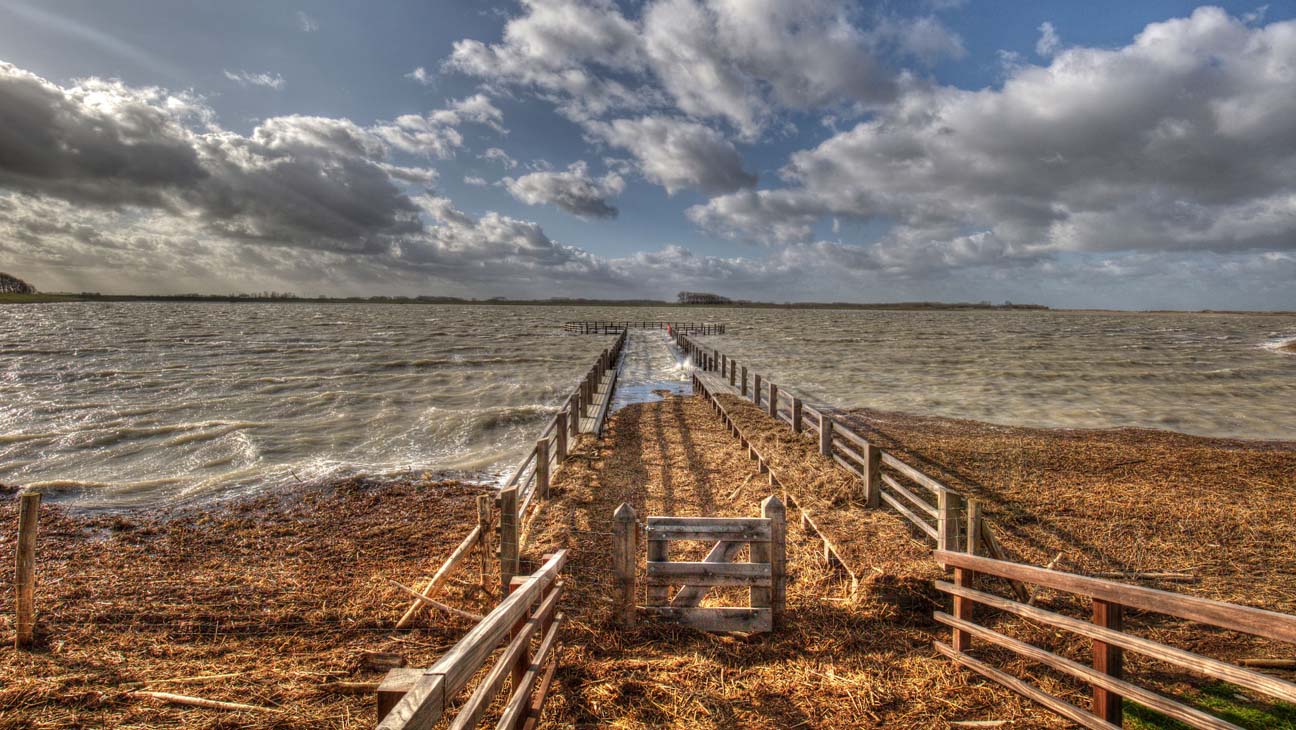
10	284
696	300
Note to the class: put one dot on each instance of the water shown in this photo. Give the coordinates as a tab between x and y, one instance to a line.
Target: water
142	403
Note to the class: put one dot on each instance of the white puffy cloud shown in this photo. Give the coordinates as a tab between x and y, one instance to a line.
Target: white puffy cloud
1181	140
498	155
421	75
677	153
265	79
574	190
437	133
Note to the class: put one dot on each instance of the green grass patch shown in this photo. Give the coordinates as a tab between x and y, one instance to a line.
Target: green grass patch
1223	701
34	298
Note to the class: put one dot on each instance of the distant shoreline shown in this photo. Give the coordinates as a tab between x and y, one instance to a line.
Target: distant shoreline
51	298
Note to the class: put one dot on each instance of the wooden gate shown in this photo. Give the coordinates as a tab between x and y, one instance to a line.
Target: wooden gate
764	574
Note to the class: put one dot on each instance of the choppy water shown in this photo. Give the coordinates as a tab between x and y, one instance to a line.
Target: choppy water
139	403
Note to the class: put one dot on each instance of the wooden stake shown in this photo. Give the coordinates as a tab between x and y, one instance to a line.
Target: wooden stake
776	513
560	437
542	468
756	389
508	538
744	381
825	435
773	401
25	573
872	476
796	415
624	532
483	537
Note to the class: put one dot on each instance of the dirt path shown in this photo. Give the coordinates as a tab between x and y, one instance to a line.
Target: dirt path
842	660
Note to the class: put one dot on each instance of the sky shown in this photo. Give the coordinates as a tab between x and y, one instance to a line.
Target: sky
1098	154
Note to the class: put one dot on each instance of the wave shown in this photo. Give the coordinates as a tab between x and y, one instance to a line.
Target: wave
1285	345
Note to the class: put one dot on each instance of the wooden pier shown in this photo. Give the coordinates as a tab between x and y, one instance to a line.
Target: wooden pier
616	328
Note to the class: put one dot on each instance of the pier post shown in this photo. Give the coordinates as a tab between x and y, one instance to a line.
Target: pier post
483	537
542	468
508	538
724	365
872	476
773	401
744	379
560	437
796	415
825	435
25	573
773	510
624	531
756	389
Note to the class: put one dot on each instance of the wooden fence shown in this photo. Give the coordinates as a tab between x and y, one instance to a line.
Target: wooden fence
934	509
413	699
612	328
1108	638
584	411
765	574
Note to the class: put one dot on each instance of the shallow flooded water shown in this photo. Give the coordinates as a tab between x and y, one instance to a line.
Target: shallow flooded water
110	404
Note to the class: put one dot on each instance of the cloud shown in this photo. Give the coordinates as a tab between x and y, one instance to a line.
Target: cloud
742	63
1049	41
500	156
475	181
1179	141
306	23
436	134
574	190
677	153
421	75
268	80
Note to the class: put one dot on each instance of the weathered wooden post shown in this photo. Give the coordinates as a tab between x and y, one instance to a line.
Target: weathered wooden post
542	468
733	373
560	437
947	519
658	552
774	510
825	435
974	539
508	538
744	381
756	389
724	365
573	423
483	537
872	475
773	401
963	609
624	532
796	415
25	572
1108	660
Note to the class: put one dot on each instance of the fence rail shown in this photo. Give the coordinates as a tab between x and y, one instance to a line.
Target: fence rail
414	699
940	516
612	328
1106	678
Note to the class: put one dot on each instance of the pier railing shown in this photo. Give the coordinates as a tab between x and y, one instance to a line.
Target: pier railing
612	328
963	538
414	699
1108	637
584	411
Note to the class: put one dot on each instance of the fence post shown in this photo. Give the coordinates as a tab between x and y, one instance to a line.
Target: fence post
872	475
776	513
560	437
508	538
825	435
573	423
624	532
756	389
658	552
796	415
724	365
744	379
542	468
733	373
1107	659
773	401
25	573
483	537
974	539
963	609
947	528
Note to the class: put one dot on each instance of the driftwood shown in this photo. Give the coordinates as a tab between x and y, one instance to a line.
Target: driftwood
202	702
437	604
1269	663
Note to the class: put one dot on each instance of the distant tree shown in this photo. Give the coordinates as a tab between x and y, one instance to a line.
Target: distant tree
697	297
14	285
